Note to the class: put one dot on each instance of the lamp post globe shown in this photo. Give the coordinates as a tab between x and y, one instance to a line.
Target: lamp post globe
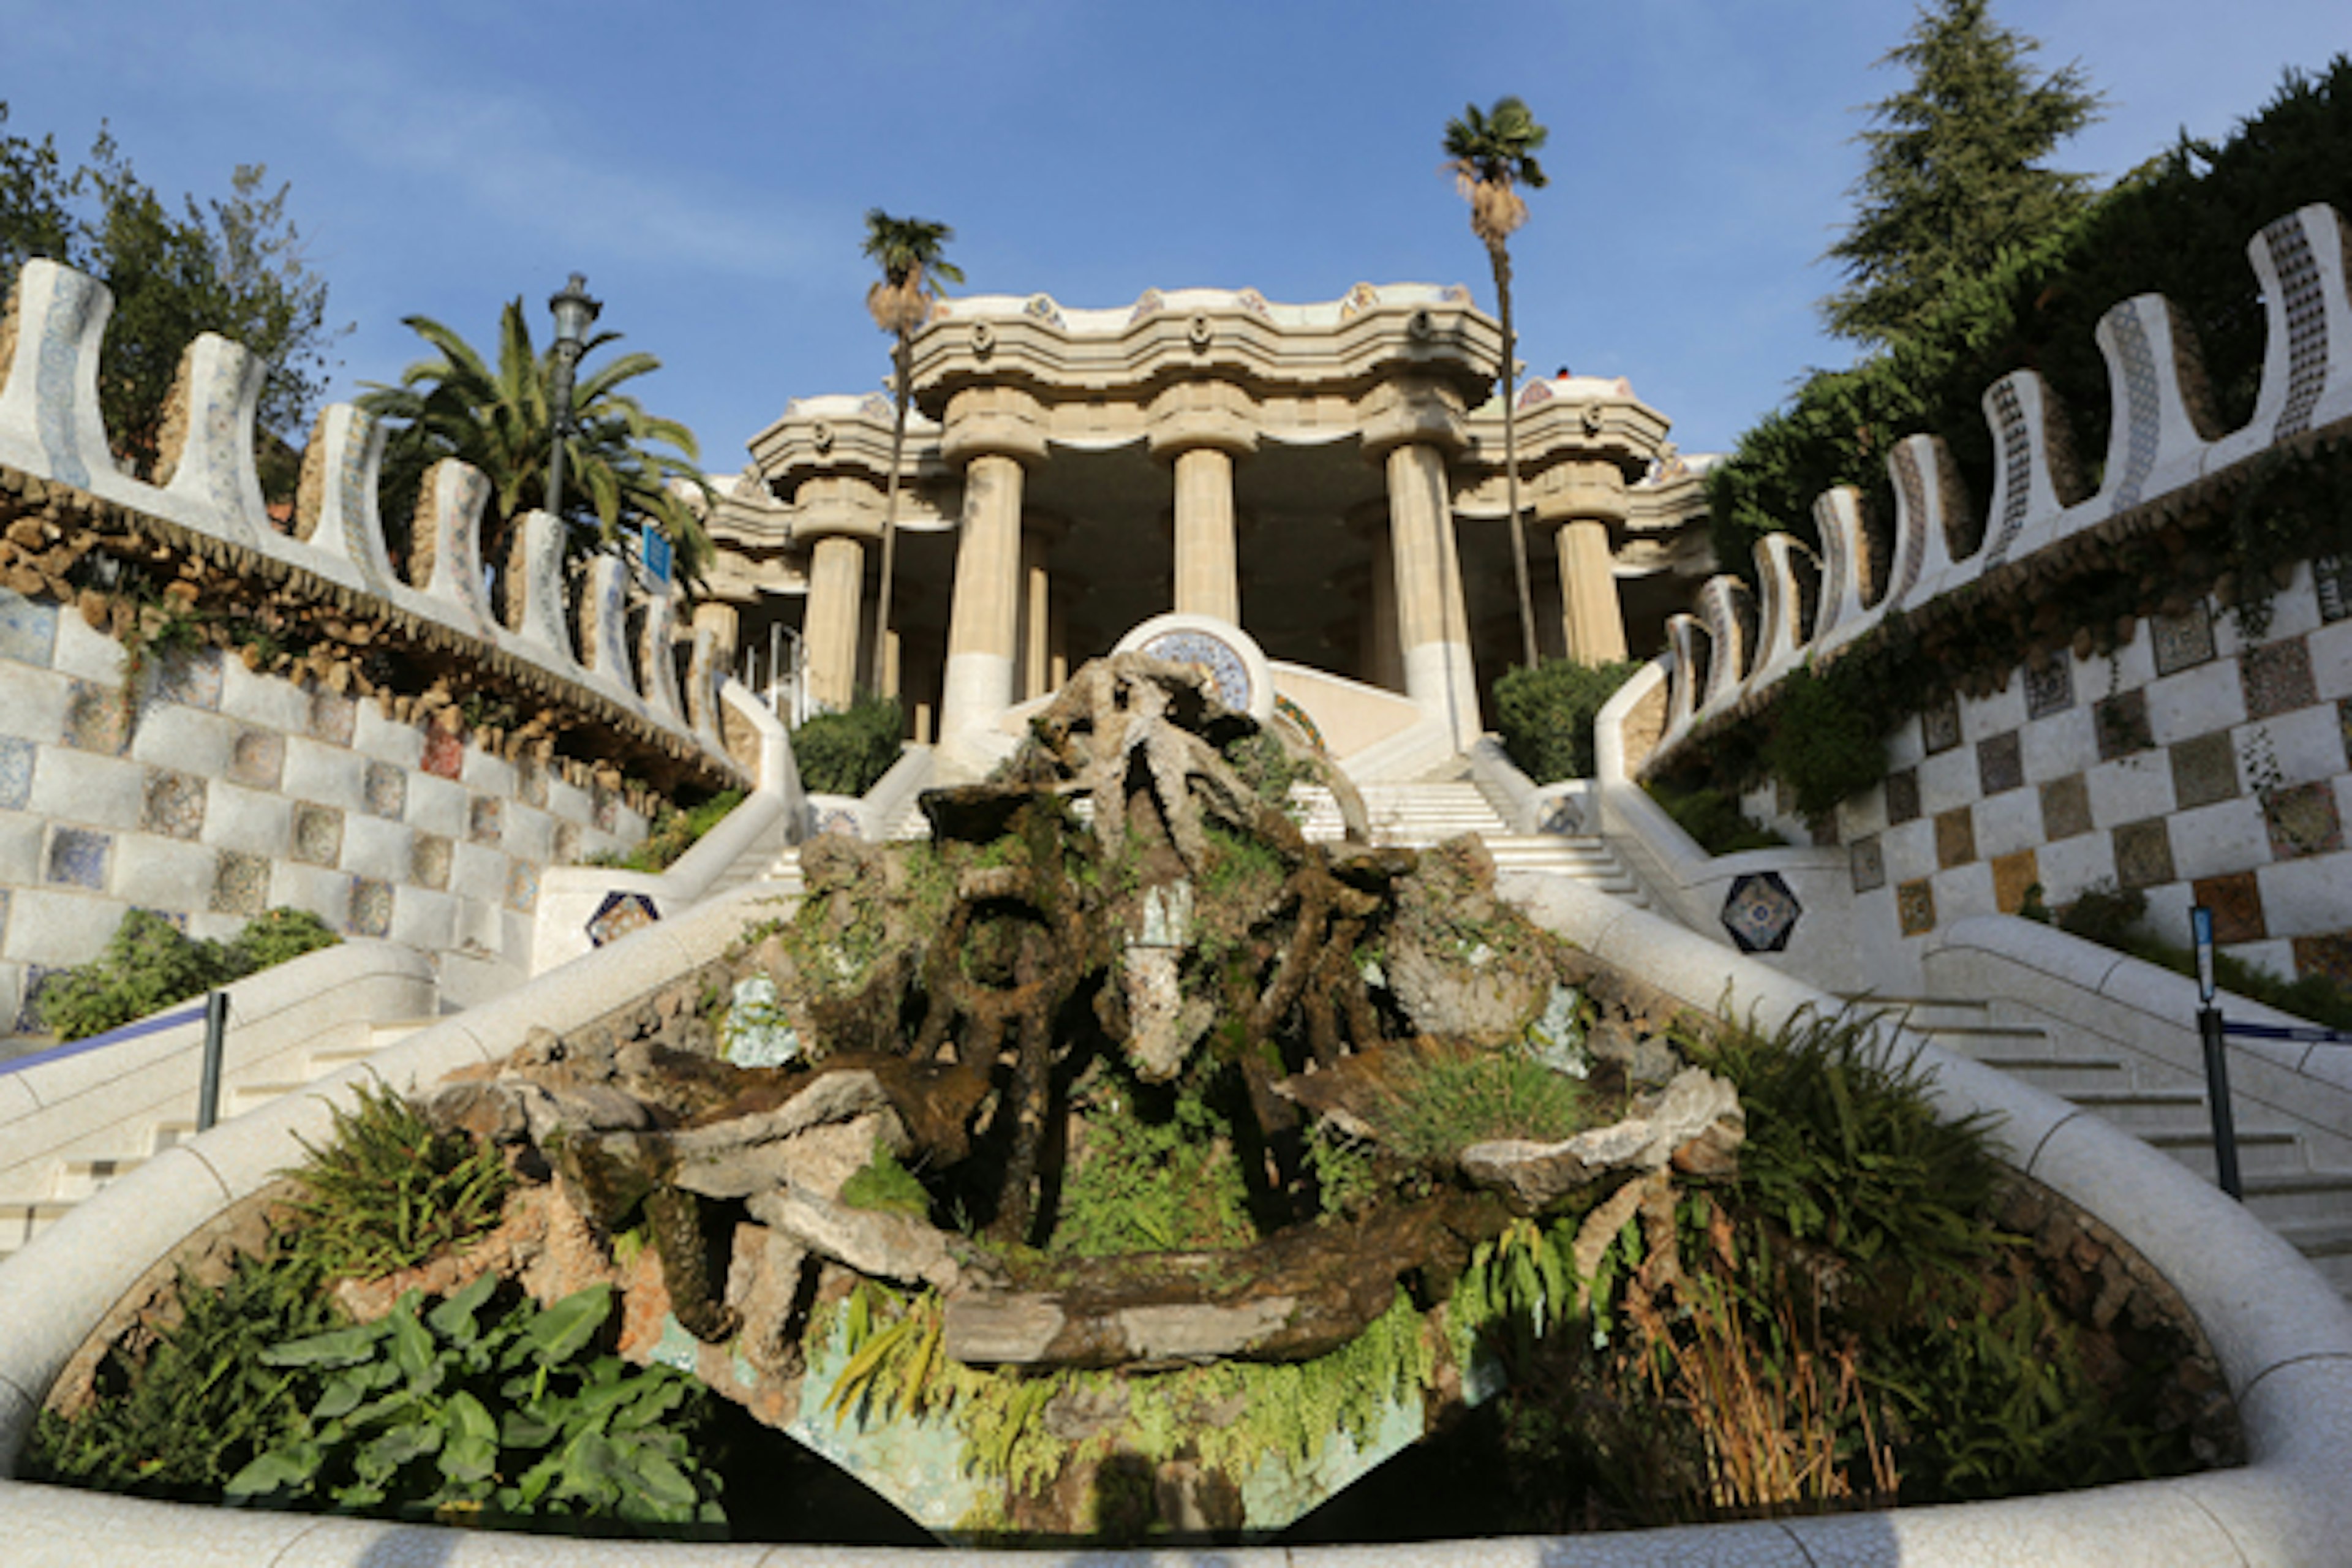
575	311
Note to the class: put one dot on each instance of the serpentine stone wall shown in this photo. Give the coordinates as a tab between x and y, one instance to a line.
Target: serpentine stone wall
310	749
2191	749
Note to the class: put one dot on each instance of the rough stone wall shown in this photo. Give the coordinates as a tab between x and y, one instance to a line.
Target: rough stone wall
221	792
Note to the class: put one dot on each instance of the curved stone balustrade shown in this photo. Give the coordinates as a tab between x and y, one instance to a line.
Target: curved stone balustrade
208	484
2163	439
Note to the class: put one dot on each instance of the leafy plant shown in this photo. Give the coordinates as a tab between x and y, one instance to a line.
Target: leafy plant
455	1412
847	752
389	1191
1713	818
150	964
674	832
1151	1175
1545	714
1824	745
1438	1101
884	1183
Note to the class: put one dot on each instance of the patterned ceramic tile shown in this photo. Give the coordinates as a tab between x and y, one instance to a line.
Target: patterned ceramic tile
444	754
257	759
28	630
241	884
385	791
2330	955
2303	820
2204	770
428	860
1940	724
28	1010
2236	902
2143	854
1955	838
175	803
17	756
530	782
2000	763
2049	686
2013	877
484	820
2122	724
2181	641
1902	796
2065	807
95	721
523	887
1867	861
318	834
618	915
1915	907
334	715
78	858
371	908
2277	678
1760	912
605	808
2331	578
192	679
567	843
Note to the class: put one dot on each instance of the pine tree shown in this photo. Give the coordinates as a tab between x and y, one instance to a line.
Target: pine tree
1956	168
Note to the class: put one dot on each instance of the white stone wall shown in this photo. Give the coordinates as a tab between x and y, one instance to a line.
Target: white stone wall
229	792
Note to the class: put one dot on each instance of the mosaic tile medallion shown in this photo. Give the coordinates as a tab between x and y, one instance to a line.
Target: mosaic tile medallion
1940	724
257	758
2143	854
385	791
2276	677
1915	907
1760	912
2013	877
371	908
28	630
1867	859
605	808
2065	807
2236	902
429	856
567	843
94	719
485	819
444	754
1955	838
241	884
523	887
1561	815
2049	686
17	756
2204	770
2121	721
2331	579
618	915
1902	796
2180	642
2303	821
78	858
173	805
2330	955
840	822
318	834
2000	763
192	679
334	715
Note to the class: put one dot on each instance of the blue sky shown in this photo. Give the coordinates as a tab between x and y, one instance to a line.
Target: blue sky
708	165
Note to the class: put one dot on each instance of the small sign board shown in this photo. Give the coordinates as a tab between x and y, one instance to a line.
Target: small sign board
2201	934
653	547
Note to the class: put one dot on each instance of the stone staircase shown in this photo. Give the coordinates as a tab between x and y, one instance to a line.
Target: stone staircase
2308	1206
24	1216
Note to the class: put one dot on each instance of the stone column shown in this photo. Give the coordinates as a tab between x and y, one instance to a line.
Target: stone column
1381	655
836	588
1202	426
1584	500
1035	637
991	431
1413	428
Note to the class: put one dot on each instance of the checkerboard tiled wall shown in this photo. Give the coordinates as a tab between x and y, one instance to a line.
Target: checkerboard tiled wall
229	792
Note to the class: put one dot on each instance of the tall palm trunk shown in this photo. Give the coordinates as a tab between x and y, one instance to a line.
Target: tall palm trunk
899	356
1501	256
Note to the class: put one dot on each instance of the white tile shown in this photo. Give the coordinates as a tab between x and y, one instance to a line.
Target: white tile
436	805
270	701
2071	865
386	740
328	776
91	655
2129	789
36	705
252	820
160	873
327	894
186	740
2009	822
2306	744
2306	897
376	848
2215	840
71	785
2063	742
1947	779
55	927
2195	702
2004	710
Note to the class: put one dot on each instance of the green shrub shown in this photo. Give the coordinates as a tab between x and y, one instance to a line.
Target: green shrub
1153	1173
388	1192
674	832
847	752
1714	820
150	964
1824	746
1545	715
2117	919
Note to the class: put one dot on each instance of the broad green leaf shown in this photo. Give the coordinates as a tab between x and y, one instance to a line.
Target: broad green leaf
281	1473
560	1332
453	1319
340	1347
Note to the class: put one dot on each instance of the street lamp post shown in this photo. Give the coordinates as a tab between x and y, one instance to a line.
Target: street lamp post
574	313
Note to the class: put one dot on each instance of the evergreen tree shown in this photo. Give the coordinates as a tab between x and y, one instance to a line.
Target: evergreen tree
1955	171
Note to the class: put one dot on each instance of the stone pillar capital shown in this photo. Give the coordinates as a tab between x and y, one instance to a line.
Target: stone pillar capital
1191	414
1579	489
993	421
1410	410
839	505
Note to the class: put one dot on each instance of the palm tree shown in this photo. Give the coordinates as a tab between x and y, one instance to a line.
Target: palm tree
909	250
502	422
1490	155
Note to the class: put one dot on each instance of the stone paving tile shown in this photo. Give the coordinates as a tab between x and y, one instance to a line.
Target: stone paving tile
523	887
484	820
1902	796
2000	763
1940	724
2013	876
371	908
385	790
2330	955
17	756
95	721
2204	770
257	758
241	884
2303	820
2276	677
2065	807
173	805
78	858
428	861
318	834
1915	907
2181	641
2143	854
28	630
2236	902
2049	686
1867	859
1955	838
192	679
2121	721
334	717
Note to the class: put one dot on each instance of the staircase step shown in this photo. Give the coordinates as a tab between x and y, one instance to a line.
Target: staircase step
2304	1197
23	1219
2266	1152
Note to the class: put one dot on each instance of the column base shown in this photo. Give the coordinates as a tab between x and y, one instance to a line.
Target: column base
1442	682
